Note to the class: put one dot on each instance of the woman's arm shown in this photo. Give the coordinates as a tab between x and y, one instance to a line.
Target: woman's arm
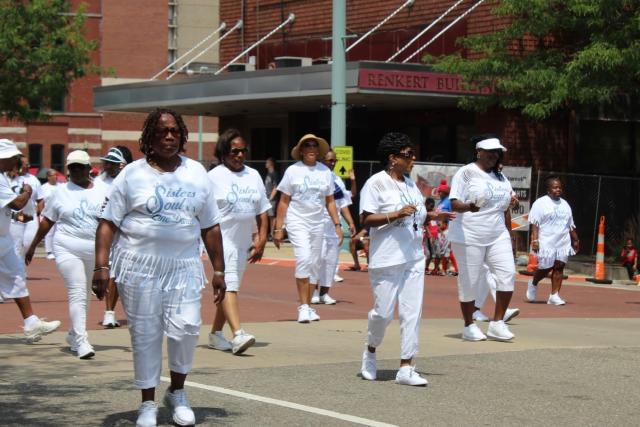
376	220
104	238
255	254
535	243
346	214
212	238
460	206
507	223
45	225
281	214
575	240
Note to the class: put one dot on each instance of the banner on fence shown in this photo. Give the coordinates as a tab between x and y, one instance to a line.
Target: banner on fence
428	176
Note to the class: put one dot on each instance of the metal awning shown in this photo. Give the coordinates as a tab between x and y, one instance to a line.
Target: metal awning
374	85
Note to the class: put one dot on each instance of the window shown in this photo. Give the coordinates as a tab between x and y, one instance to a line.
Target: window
35	155
57	157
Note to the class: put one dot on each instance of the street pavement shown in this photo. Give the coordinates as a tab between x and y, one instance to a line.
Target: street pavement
570	365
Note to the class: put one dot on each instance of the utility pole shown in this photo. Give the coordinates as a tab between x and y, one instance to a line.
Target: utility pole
338	71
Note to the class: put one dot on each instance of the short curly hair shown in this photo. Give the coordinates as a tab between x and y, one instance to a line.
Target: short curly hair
223	146
149	130
392	143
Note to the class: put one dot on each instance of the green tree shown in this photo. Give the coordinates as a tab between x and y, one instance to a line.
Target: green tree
553	55
42	50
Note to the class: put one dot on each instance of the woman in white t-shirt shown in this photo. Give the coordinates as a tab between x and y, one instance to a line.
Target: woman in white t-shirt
74	208
306	189
242	201
481	235
553	238
393	207
159	208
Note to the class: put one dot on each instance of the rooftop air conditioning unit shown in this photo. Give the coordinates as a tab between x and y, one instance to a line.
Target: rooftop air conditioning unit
322	60
292	61
241	67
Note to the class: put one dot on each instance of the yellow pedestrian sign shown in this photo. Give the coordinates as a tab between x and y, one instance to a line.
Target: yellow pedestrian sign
344	160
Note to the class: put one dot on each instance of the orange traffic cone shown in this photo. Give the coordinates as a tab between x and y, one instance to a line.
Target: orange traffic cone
600	275
638	279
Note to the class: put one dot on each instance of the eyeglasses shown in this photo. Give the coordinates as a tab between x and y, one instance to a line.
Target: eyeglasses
162	132
407	154
310	144
236	151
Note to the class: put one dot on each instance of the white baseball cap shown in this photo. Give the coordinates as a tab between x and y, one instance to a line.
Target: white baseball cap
8	149
490	144
78	157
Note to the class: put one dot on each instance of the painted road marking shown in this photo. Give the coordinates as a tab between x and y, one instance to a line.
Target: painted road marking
285	404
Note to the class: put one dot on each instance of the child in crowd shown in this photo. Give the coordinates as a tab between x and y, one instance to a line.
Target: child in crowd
629	258
430	234
443	247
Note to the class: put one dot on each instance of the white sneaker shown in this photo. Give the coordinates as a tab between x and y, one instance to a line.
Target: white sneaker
326	299
85	350
217	341
71	340
313	316
109	320
531	291
50	255
499	331
147	414
179	405
510	314
337	278
369	370
554	299
39	329
407	375
241	341
473	333
480	316
303	314
315	299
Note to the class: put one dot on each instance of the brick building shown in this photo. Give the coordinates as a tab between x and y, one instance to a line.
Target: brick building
136	40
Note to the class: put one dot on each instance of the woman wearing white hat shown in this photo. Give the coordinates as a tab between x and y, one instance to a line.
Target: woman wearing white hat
306	189
481	235
74	208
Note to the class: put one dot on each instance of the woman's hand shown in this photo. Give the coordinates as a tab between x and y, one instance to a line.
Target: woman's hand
514	203
535	245
278	237
28	257
100	283
443	216
407	210
340	234
255	252
575	244
219	289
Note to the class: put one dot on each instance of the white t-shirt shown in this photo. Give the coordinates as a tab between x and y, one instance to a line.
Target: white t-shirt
398	242
343	199
308	187
16	185
161	213
106	180
554	219
46	190
6	196
487	226
75	210
240	197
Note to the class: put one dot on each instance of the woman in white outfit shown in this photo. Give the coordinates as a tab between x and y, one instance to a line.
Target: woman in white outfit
74	209
393	207
24	222
553	238
306	189
242	201
158	209
331	244
481	235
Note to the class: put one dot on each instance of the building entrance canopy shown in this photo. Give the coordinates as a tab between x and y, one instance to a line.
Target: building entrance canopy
374	85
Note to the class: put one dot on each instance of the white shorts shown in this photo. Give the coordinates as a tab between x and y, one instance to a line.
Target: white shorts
547	262
235	263
13	277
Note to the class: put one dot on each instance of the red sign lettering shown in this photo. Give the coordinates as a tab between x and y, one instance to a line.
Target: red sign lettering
415	82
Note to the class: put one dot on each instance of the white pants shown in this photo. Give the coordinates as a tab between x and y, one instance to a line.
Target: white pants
77	273
402	284
498	257
328	261
485	286
307	248
235	264
153	312
22	235
13	276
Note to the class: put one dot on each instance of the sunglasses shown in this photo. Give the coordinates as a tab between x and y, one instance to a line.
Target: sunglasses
236	151
310	144
163	132
407	154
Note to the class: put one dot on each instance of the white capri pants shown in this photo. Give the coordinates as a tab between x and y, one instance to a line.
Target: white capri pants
402	284
235	264
307	248
328	261
75	264
154	311
499	259
13	283
485	286
22	235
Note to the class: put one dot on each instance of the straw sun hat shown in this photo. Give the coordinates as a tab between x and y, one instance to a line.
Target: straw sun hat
323	146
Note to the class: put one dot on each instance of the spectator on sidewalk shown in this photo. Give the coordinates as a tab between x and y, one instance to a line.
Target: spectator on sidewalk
629	258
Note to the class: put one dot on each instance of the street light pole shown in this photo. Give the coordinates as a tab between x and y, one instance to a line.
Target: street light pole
338	71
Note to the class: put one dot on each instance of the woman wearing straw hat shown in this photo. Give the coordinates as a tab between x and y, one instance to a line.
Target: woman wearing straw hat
306	189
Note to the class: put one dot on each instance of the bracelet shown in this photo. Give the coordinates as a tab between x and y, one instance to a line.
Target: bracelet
535	241
100	268
337	225
277	230
218	273
388	222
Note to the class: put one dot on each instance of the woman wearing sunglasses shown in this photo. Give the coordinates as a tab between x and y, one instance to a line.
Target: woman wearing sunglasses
241	199
306	189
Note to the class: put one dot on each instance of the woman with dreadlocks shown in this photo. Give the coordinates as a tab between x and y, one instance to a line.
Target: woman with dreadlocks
481	235
158	208
393	207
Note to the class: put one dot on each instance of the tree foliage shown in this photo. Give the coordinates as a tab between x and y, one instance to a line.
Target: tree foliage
553	55
42	50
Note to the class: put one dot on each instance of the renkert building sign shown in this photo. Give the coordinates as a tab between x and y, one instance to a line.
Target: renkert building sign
416	82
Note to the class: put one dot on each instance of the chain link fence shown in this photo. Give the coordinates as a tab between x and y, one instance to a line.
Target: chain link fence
593	196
